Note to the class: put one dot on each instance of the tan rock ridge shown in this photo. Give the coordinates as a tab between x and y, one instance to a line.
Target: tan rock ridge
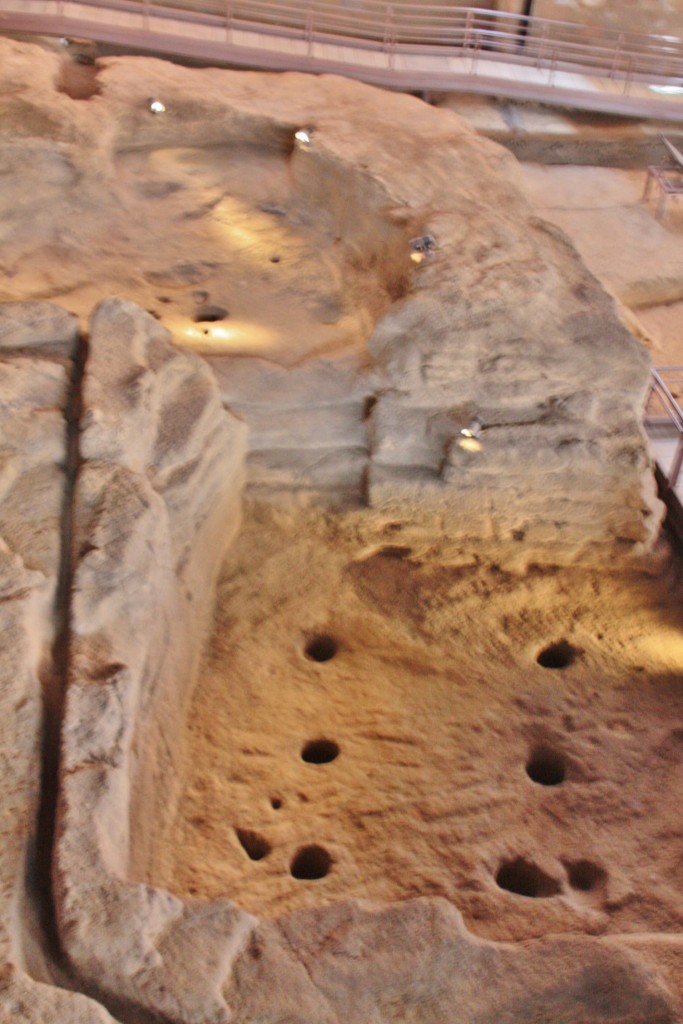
38	343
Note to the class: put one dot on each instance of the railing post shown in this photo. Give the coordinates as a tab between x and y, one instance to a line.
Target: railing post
390	36
553	67
675	470
541	47
629	77
228	21
616	59
475	51
309	29
468	30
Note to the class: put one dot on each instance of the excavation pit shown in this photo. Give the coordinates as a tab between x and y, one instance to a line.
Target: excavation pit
194	845
429	720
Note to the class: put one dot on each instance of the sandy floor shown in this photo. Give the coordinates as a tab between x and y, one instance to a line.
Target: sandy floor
206	239
445	759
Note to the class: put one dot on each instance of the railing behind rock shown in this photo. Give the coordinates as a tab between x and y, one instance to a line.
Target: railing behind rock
664	420
399	29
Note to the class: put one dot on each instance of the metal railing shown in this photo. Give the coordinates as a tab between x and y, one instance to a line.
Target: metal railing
664	416
393	29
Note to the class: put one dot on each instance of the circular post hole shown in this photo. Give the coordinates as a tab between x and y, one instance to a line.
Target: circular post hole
310	863
557	655
546	767
320	751
321	647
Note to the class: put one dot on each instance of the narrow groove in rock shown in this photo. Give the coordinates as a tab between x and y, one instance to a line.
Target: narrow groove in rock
54	681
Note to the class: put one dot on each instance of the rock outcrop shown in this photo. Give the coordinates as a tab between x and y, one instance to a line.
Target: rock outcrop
38	346
486	399
157	502
355	368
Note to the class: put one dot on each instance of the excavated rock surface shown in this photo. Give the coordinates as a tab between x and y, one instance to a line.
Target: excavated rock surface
38	343
288	266
370	698
355	374
156	505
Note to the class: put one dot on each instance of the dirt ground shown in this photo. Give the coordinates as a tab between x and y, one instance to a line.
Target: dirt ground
368	723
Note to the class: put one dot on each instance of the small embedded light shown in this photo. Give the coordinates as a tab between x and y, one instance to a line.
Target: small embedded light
304	136
157	107
417	257
473	429
422	246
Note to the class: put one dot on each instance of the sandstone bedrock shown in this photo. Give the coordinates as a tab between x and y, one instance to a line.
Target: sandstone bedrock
242	327
288	267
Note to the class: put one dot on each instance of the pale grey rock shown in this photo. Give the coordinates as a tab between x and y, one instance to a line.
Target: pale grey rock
37	343
157	502
29	325
22	999
311	426
310	470
321	381
416	962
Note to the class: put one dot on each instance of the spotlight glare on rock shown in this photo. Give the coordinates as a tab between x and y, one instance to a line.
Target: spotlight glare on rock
157	107
304	136
473	429
469	444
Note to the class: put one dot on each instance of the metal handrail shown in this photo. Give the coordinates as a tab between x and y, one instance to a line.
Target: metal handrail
418	28
660	390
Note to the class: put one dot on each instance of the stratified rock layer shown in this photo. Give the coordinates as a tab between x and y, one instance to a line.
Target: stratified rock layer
288	266
156	504
38	342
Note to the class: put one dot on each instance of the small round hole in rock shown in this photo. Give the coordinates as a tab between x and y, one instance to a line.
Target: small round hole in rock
546	767
311	862
584	875
210	314
523	878
254	845
321	648
320	751
275	259
276	803
557	655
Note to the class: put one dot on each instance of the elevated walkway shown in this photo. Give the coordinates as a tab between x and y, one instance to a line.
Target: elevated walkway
664	426
401	46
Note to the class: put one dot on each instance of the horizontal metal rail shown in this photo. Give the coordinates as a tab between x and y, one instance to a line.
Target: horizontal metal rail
663	383
397	30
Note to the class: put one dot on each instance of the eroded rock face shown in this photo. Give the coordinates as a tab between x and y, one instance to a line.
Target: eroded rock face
157	502
38	343
288	267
